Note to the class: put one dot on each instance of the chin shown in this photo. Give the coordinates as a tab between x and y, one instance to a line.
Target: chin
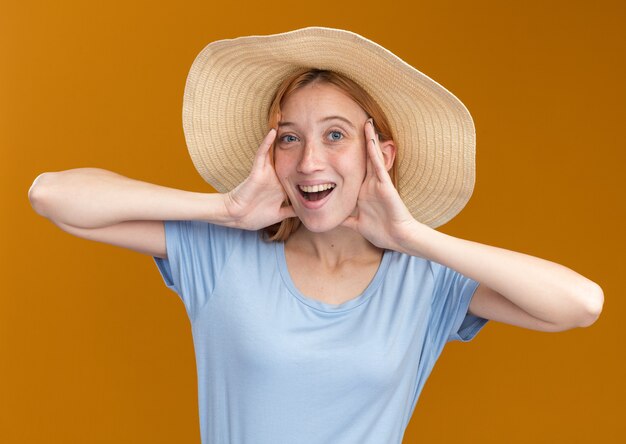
321	225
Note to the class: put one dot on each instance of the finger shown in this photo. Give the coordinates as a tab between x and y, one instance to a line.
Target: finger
376	157
370	135
370	130
262	154
286	212
369	169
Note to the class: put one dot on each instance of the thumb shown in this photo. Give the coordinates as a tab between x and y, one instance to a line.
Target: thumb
286	212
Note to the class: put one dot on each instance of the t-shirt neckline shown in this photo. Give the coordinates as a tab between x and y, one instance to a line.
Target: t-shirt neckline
323	306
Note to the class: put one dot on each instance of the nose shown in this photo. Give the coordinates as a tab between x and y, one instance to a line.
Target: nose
311	159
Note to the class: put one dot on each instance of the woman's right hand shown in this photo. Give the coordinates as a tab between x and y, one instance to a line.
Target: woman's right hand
258	201
101	205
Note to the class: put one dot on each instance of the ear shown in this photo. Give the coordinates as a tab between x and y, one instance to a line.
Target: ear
388	149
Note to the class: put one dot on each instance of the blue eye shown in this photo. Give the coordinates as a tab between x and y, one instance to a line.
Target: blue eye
336	135
288	138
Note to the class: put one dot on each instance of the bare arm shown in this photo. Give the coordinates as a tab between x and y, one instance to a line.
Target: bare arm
104	206
515	288
96	198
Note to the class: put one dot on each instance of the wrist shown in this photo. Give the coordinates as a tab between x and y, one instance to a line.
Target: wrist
216	208
416	238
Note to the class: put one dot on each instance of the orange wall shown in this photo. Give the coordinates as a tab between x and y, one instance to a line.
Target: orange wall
95	349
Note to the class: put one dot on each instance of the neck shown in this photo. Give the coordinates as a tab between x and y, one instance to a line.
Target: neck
332	247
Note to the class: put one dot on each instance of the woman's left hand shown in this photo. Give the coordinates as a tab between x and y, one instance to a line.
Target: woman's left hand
382	217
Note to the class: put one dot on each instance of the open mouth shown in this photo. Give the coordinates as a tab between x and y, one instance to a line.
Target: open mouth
316	192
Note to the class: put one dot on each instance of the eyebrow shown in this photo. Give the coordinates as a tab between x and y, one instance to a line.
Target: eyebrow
325	119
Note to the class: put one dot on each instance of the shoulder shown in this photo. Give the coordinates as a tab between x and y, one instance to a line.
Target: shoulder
420	274
412	263
410	271
193	235
199	229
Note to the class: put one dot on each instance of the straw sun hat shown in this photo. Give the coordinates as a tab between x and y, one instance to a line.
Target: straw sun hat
232	83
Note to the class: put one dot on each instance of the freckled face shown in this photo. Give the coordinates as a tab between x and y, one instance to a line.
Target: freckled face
320	156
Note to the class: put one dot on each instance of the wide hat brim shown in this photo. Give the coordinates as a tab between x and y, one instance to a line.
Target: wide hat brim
232	83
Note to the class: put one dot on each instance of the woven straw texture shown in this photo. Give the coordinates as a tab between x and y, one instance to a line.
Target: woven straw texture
232	82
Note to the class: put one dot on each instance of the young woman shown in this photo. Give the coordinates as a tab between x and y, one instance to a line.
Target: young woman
319	292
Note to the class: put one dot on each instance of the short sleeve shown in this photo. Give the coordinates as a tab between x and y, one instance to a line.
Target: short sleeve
196	254
452	295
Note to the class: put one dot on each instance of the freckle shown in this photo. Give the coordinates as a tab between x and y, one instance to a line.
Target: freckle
332	245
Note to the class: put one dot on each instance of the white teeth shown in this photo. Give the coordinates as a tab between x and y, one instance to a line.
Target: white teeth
317	188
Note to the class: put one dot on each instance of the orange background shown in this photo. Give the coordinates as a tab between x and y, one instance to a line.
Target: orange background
95	349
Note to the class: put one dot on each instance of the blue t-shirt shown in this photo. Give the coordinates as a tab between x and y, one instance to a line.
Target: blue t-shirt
277	367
